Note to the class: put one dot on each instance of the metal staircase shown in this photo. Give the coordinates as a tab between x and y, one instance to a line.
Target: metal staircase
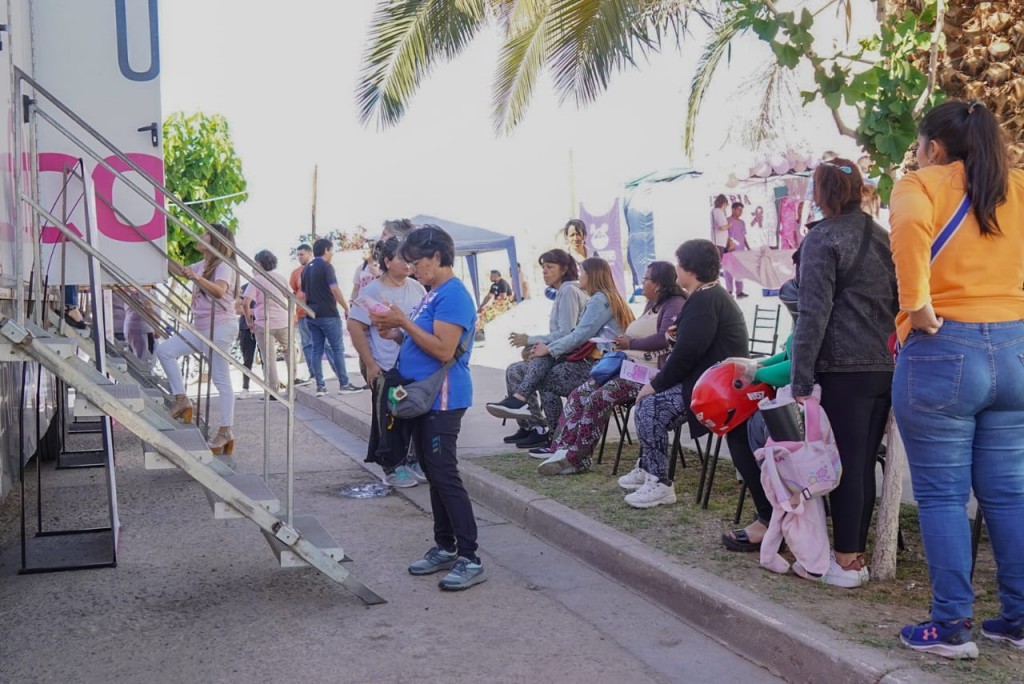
115	385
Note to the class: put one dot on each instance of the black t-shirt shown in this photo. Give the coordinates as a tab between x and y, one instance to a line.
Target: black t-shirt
501	288
317	278
710	328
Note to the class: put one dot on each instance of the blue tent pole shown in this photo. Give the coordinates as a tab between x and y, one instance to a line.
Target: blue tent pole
514	268
474	275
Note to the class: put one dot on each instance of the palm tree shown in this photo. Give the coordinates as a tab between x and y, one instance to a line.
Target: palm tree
582	42
983	57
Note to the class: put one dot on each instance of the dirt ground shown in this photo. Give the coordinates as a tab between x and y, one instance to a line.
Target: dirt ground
871	615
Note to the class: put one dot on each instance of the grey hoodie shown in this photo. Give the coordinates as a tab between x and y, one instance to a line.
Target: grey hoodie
569	304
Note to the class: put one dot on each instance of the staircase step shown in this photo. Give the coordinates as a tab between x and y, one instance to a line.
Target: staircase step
130	396
62	346
253	487
315	533
189	439
90	371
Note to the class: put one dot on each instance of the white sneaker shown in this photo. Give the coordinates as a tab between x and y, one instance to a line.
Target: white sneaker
836	575
634	479
557	464
245	394
652	493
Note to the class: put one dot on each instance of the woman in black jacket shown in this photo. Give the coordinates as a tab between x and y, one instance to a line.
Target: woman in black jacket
848	304
709	329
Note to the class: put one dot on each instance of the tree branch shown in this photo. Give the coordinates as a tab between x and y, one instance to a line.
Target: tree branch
933	58
818	69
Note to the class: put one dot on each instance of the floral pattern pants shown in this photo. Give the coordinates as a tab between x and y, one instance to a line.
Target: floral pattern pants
656	415
585	416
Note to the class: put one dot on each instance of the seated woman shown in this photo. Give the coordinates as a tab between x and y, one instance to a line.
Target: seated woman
589	406
521	379
605	316
710	328
773	371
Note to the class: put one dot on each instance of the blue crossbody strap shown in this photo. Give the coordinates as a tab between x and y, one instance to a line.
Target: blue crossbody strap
954	223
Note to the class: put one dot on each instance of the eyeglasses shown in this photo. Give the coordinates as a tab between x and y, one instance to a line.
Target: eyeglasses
845	169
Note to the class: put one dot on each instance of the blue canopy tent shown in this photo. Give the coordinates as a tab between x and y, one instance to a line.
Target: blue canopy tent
470	241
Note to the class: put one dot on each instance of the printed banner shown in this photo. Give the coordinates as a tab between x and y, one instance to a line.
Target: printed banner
604	238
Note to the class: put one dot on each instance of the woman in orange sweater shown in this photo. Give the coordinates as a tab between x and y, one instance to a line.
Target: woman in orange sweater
958	390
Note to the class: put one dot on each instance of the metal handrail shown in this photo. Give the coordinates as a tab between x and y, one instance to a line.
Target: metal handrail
20	75
125	279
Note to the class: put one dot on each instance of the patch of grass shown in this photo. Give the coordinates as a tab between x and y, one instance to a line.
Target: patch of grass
871	615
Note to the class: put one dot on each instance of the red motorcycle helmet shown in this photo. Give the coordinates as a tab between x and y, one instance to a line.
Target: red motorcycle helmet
726	395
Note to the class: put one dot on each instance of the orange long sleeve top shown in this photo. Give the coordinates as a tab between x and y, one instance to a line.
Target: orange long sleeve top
974	279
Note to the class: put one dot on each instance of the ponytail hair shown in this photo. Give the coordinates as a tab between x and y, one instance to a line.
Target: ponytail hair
970	133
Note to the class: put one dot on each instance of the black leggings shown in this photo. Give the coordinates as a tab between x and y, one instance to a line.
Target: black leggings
745	462
857	405
247	341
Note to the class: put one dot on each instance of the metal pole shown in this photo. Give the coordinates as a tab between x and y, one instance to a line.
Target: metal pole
269	356
289	448
19	229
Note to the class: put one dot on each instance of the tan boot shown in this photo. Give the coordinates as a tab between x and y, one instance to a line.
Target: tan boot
181	409
223	442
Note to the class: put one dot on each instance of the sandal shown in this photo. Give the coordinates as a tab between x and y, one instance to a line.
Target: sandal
737	540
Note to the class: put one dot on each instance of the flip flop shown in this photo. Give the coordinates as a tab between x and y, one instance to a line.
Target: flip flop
737	540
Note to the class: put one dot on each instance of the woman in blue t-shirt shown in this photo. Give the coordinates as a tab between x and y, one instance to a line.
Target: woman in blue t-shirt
429	338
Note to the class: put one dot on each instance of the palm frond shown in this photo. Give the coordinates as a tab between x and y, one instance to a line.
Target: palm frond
590	40
406	39
714	50
521	59
764	127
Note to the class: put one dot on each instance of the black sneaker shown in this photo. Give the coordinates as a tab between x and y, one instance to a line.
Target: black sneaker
299	382
509	407
521	433
534	441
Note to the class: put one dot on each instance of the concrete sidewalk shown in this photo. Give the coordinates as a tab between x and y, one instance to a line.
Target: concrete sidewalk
199	600
789	644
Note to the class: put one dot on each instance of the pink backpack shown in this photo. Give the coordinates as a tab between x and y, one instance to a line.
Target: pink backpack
803	470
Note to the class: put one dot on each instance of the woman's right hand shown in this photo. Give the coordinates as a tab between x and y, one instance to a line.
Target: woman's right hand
925	320
622	342
518	339
372	371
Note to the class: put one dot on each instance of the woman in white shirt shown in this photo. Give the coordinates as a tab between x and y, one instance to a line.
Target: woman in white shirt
268	313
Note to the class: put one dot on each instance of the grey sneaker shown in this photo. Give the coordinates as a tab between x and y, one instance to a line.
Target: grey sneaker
401	478
433	561
417	472
321	391
349	388
464	574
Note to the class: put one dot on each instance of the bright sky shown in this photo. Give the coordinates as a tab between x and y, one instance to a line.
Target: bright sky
285	80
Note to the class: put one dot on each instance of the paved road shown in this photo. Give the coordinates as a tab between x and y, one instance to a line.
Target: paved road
194	599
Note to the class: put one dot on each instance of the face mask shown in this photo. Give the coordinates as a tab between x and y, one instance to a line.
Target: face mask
551	292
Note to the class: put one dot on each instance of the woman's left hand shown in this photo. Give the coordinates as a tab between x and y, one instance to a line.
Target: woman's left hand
622	342
393	318
645	391
540	349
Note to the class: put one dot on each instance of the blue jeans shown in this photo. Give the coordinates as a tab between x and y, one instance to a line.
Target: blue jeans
959	404
326	329
306	341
